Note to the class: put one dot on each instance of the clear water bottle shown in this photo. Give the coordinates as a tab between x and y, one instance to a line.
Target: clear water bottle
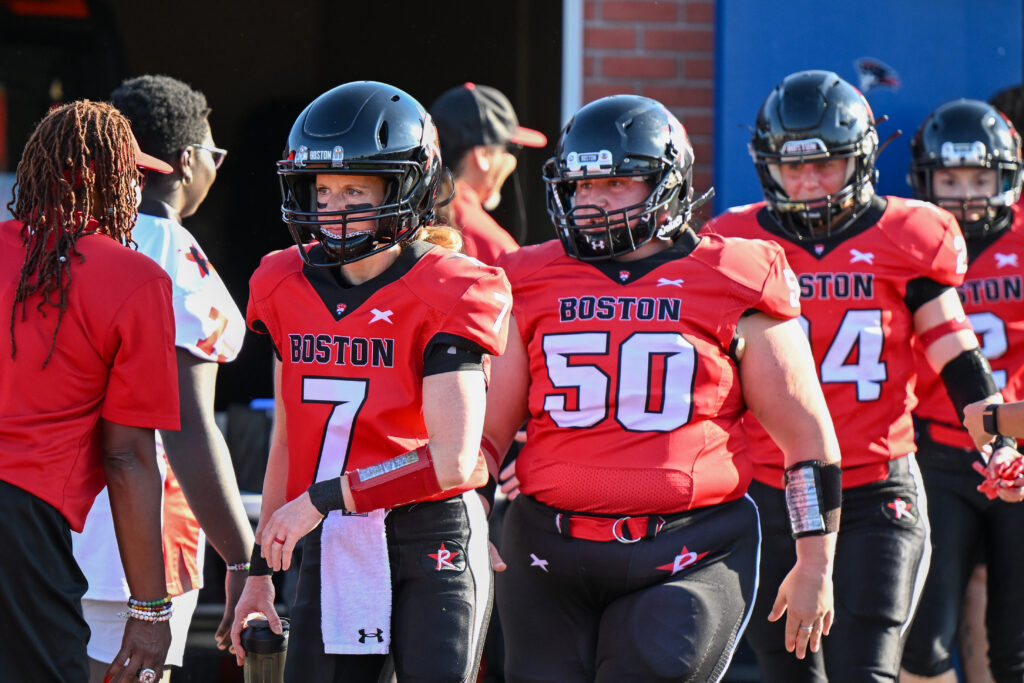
265	652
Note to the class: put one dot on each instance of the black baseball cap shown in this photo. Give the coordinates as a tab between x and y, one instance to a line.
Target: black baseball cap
469	115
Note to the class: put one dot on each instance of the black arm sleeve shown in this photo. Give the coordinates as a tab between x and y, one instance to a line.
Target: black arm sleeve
968	378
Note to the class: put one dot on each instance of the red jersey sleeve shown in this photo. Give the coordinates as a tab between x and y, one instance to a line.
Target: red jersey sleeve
259	317
142	348
481	313
780	295
932	237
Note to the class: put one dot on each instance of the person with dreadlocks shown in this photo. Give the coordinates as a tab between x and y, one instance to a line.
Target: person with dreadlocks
89	319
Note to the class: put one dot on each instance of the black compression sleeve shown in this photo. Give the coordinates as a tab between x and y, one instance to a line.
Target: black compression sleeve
968	378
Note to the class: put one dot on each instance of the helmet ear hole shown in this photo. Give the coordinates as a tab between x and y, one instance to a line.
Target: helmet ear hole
382	135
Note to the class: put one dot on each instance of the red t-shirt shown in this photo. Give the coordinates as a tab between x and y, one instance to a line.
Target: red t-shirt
114	359
482	237
352	357
853	308
635	403
993	298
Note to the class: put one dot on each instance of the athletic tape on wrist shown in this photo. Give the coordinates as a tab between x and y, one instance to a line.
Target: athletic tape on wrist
257	564
401	480
813	497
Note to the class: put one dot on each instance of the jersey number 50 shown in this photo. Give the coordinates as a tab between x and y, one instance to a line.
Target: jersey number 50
637	399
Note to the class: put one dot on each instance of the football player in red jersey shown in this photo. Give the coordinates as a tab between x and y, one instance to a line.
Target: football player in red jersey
966	157
875	274
635	348
379	389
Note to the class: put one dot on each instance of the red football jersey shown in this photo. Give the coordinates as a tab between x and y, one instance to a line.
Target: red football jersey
993	298
114	359
634	400
852	293
352	375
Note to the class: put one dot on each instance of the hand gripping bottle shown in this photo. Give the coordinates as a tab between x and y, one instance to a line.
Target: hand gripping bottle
265	652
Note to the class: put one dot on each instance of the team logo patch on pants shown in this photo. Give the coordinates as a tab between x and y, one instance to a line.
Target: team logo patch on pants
448	556
902	510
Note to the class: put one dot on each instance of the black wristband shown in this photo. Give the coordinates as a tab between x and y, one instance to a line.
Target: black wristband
814	496
257	564
990	419
1003	441
326	495
488	490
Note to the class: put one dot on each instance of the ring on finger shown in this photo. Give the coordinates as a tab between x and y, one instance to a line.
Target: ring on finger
279	540
807	628
147	676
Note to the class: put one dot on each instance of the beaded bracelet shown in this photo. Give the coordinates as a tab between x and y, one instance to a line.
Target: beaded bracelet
166	600
151	616
238	567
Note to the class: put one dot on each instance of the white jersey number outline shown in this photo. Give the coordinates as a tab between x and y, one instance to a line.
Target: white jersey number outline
347	396
859	334
636	357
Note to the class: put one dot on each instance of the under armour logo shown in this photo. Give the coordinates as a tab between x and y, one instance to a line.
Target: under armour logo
537	562
379	635
444	558
900	508
684	559
665	282
862	257
381	315
1004	260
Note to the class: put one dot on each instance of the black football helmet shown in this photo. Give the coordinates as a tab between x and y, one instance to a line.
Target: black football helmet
816	116
969	134
360	128
620	136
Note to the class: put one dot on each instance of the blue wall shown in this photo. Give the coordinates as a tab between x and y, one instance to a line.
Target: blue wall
940	50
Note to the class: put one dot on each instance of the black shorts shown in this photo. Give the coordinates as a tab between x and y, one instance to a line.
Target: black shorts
965	523
437	618
882	555
666	608
42	632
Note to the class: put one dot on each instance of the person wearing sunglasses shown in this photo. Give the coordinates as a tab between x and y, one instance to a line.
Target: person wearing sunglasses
173	120
480	140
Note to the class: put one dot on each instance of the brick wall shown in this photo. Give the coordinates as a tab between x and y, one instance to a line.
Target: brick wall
658	48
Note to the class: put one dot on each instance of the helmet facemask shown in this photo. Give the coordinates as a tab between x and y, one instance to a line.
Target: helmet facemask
591	233
821	217
346	235
995	208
